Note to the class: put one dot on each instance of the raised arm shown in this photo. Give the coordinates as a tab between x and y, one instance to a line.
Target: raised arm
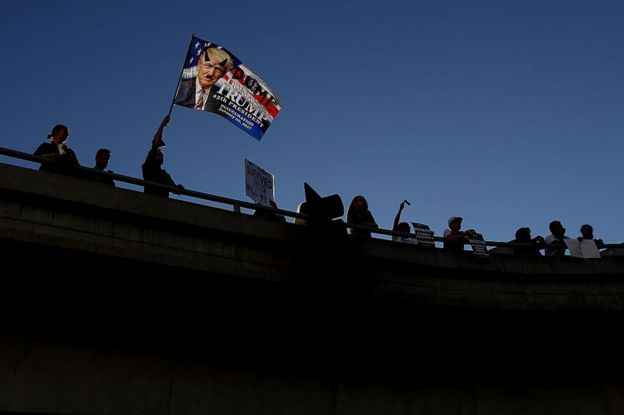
157	141
397	218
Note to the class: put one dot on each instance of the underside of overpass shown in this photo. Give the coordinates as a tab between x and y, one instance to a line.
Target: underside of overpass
114	301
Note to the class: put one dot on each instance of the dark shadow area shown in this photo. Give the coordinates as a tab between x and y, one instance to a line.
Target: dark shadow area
297	326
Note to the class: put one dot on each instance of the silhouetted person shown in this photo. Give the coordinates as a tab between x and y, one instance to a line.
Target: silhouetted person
268	215
56	150
555	245
454	238
527	246
398	226
358	214
152	168
587	234
102	156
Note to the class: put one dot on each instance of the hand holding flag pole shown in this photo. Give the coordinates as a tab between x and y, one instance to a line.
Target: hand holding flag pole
158	141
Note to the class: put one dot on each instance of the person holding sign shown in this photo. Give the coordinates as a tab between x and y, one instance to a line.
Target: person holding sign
587	234
585	246
454	238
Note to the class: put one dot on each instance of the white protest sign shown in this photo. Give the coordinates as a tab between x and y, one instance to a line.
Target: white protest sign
259	184
583	248
423	235
478	245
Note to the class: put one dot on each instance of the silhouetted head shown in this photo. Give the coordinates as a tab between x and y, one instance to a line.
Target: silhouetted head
357	208
359	203
557	229
102	156
587	231
455	222
523	235
59	134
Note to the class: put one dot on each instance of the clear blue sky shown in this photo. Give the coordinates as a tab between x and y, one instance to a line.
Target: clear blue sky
506	113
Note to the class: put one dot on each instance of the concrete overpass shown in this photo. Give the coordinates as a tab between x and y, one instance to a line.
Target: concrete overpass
120	302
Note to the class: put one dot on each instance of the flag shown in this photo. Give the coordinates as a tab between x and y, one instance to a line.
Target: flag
215	80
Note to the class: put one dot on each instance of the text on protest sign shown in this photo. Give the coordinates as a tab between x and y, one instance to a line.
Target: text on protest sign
259	184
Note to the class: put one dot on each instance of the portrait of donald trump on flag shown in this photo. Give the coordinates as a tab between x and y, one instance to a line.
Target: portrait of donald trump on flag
214	80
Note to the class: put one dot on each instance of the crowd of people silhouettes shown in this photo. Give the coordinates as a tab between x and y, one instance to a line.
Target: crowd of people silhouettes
59	158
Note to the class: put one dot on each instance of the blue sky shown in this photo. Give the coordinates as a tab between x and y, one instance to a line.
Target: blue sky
509	114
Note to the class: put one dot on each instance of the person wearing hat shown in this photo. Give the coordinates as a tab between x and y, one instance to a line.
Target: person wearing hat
454	238
64	159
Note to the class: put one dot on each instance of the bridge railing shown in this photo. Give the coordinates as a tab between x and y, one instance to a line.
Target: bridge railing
87	172
234	203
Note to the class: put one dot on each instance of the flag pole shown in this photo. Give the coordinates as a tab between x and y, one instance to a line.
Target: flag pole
181	72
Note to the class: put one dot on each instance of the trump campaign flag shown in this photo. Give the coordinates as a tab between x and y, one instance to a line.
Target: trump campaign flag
215	80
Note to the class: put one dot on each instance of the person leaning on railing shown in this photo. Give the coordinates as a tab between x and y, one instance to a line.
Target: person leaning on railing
525	245
358	214
555	242
587	234
454	238
102	157
65	160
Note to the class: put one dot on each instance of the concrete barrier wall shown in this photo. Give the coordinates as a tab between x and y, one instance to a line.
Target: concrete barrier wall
49	378
47	210
124	303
